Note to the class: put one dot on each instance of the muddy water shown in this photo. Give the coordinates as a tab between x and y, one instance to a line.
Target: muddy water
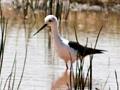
44	70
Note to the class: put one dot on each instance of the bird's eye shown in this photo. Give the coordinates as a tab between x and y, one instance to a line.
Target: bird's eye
50	20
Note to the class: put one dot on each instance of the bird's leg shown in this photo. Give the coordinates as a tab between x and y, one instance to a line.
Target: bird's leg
66	66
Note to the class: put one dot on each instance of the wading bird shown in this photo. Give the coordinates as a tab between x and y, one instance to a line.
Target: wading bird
64	48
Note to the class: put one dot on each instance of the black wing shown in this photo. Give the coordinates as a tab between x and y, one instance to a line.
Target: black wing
83	51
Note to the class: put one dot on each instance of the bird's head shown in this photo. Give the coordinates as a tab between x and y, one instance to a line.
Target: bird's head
50	20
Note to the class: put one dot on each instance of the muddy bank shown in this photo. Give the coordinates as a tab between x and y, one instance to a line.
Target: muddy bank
85	7
73	5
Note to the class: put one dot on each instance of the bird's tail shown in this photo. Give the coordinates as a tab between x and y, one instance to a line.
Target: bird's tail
97	51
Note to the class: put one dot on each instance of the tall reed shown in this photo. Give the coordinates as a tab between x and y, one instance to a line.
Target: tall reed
9	78
78	79
116	80
10	81
4	23
26	48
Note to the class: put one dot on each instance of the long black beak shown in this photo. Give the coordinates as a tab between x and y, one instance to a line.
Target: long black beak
40	29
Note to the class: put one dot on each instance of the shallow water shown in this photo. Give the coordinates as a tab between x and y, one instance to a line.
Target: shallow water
44	70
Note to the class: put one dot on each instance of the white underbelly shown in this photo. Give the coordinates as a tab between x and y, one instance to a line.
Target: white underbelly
64	52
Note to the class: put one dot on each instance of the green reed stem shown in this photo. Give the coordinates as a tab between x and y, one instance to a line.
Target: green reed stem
57	9
23	69
14	65
80	84
70	72
106	82
117	80
26	48
6	81
50	4
91	58
3	39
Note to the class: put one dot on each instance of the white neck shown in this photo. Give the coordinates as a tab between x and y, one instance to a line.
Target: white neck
55	33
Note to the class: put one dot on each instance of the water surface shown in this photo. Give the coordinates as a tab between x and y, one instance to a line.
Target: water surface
44	70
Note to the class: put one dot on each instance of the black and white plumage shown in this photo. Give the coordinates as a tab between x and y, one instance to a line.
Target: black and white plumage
84	51
63	47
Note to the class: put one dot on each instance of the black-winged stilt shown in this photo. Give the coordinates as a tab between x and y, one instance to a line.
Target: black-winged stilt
63	47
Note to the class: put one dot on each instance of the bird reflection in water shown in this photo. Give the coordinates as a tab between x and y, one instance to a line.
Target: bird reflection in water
65	81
